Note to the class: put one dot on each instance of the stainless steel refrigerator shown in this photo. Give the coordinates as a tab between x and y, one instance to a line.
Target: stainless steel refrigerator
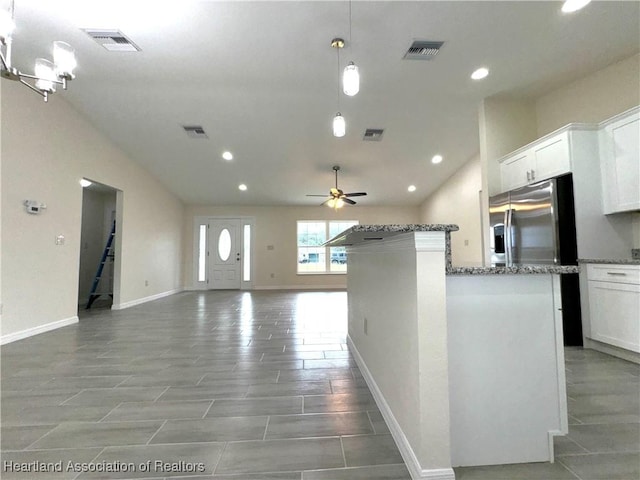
535	225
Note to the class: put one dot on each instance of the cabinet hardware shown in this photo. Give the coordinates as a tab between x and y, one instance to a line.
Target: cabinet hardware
617	273
533	174
528	176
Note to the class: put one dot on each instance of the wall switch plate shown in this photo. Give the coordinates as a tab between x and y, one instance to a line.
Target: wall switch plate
60	240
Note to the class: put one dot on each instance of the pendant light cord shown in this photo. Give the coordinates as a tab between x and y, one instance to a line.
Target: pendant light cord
338	49
350	45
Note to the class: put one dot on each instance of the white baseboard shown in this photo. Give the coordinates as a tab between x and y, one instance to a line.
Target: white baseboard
140	301
409	456
30	332
618	352
299	287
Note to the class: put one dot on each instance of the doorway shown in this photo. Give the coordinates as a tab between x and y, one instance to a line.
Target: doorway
98	275
222	253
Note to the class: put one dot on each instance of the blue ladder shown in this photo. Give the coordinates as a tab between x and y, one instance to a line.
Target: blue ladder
93	296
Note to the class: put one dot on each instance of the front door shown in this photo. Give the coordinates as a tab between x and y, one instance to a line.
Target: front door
225	265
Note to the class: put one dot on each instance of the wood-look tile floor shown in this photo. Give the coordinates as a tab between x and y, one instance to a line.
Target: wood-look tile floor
225	385
253	386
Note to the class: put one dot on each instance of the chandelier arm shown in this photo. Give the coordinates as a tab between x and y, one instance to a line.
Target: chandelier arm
5	65
35	77
37	90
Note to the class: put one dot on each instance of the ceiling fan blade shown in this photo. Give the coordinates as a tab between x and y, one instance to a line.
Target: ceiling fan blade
355	194
316	195
348	200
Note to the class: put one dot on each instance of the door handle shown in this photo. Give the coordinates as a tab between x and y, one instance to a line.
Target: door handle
533	174
528	176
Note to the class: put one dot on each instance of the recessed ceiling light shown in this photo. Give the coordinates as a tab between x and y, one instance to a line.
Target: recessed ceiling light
480	73
84	183
242	187
574	5
436	159
412	188
227	155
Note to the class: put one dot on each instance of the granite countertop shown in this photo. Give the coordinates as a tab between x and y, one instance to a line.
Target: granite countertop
365	233
613	261
515	270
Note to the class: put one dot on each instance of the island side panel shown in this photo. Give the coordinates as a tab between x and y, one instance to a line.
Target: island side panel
408	372
505	364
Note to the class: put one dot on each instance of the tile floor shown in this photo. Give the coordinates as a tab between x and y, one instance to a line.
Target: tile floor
233	385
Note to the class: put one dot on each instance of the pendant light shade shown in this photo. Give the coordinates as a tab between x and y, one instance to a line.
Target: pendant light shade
339	125
64	59
6	24
351	80
45	72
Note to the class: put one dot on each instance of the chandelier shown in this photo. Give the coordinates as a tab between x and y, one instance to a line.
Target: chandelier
47	74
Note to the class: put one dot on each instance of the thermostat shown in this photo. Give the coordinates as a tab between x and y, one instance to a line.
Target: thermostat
33	206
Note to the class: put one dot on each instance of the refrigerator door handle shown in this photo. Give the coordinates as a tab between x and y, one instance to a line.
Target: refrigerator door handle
507	237
511	239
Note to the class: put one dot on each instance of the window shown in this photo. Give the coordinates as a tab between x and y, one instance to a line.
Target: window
314	258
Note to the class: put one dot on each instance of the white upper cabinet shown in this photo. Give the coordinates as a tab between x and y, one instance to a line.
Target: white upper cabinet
546	158
620	162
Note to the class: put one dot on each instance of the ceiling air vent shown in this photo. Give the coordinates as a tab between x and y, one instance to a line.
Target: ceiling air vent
112	40
373	134
423	50
195	131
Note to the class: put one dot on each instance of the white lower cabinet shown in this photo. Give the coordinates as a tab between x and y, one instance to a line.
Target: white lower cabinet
614	304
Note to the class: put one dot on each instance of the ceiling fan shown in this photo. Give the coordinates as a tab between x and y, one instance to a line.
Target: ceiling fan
337	198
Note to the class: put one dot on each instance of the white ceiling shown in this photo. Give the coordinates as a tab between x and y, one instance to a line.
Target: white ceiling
262	79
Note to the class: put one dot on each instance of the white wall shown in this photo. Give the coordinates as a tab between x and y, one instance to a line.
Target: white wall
457	201
591	99
276	227
46	149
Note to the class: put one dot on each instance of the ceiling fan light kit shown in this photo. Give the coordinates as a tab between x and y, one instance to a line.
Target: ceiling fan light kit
47	74
337	198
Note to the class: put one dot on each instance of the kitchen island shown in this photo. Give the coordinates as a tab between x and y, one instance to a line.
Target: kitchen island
466	364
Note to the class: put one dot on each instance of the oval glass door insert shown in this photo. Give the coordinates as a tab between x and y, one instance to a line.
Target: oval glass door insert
224	245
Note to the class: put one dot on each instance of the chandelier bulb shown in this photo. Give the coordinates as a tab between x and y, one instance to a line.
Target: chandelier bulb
7	25
64	59
45	71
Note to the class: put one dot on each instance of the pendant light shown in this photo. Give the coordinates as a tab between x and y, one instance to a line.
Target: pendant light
351	75
351	80
339	124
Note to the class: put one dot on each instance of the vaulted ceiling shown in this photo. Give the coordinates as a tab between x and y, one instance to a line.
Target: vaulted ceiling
262	80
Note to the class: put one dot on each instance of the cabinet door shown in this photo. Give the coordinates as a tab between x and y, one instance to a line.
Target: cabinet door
515	171
615	314
552	157
626	164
